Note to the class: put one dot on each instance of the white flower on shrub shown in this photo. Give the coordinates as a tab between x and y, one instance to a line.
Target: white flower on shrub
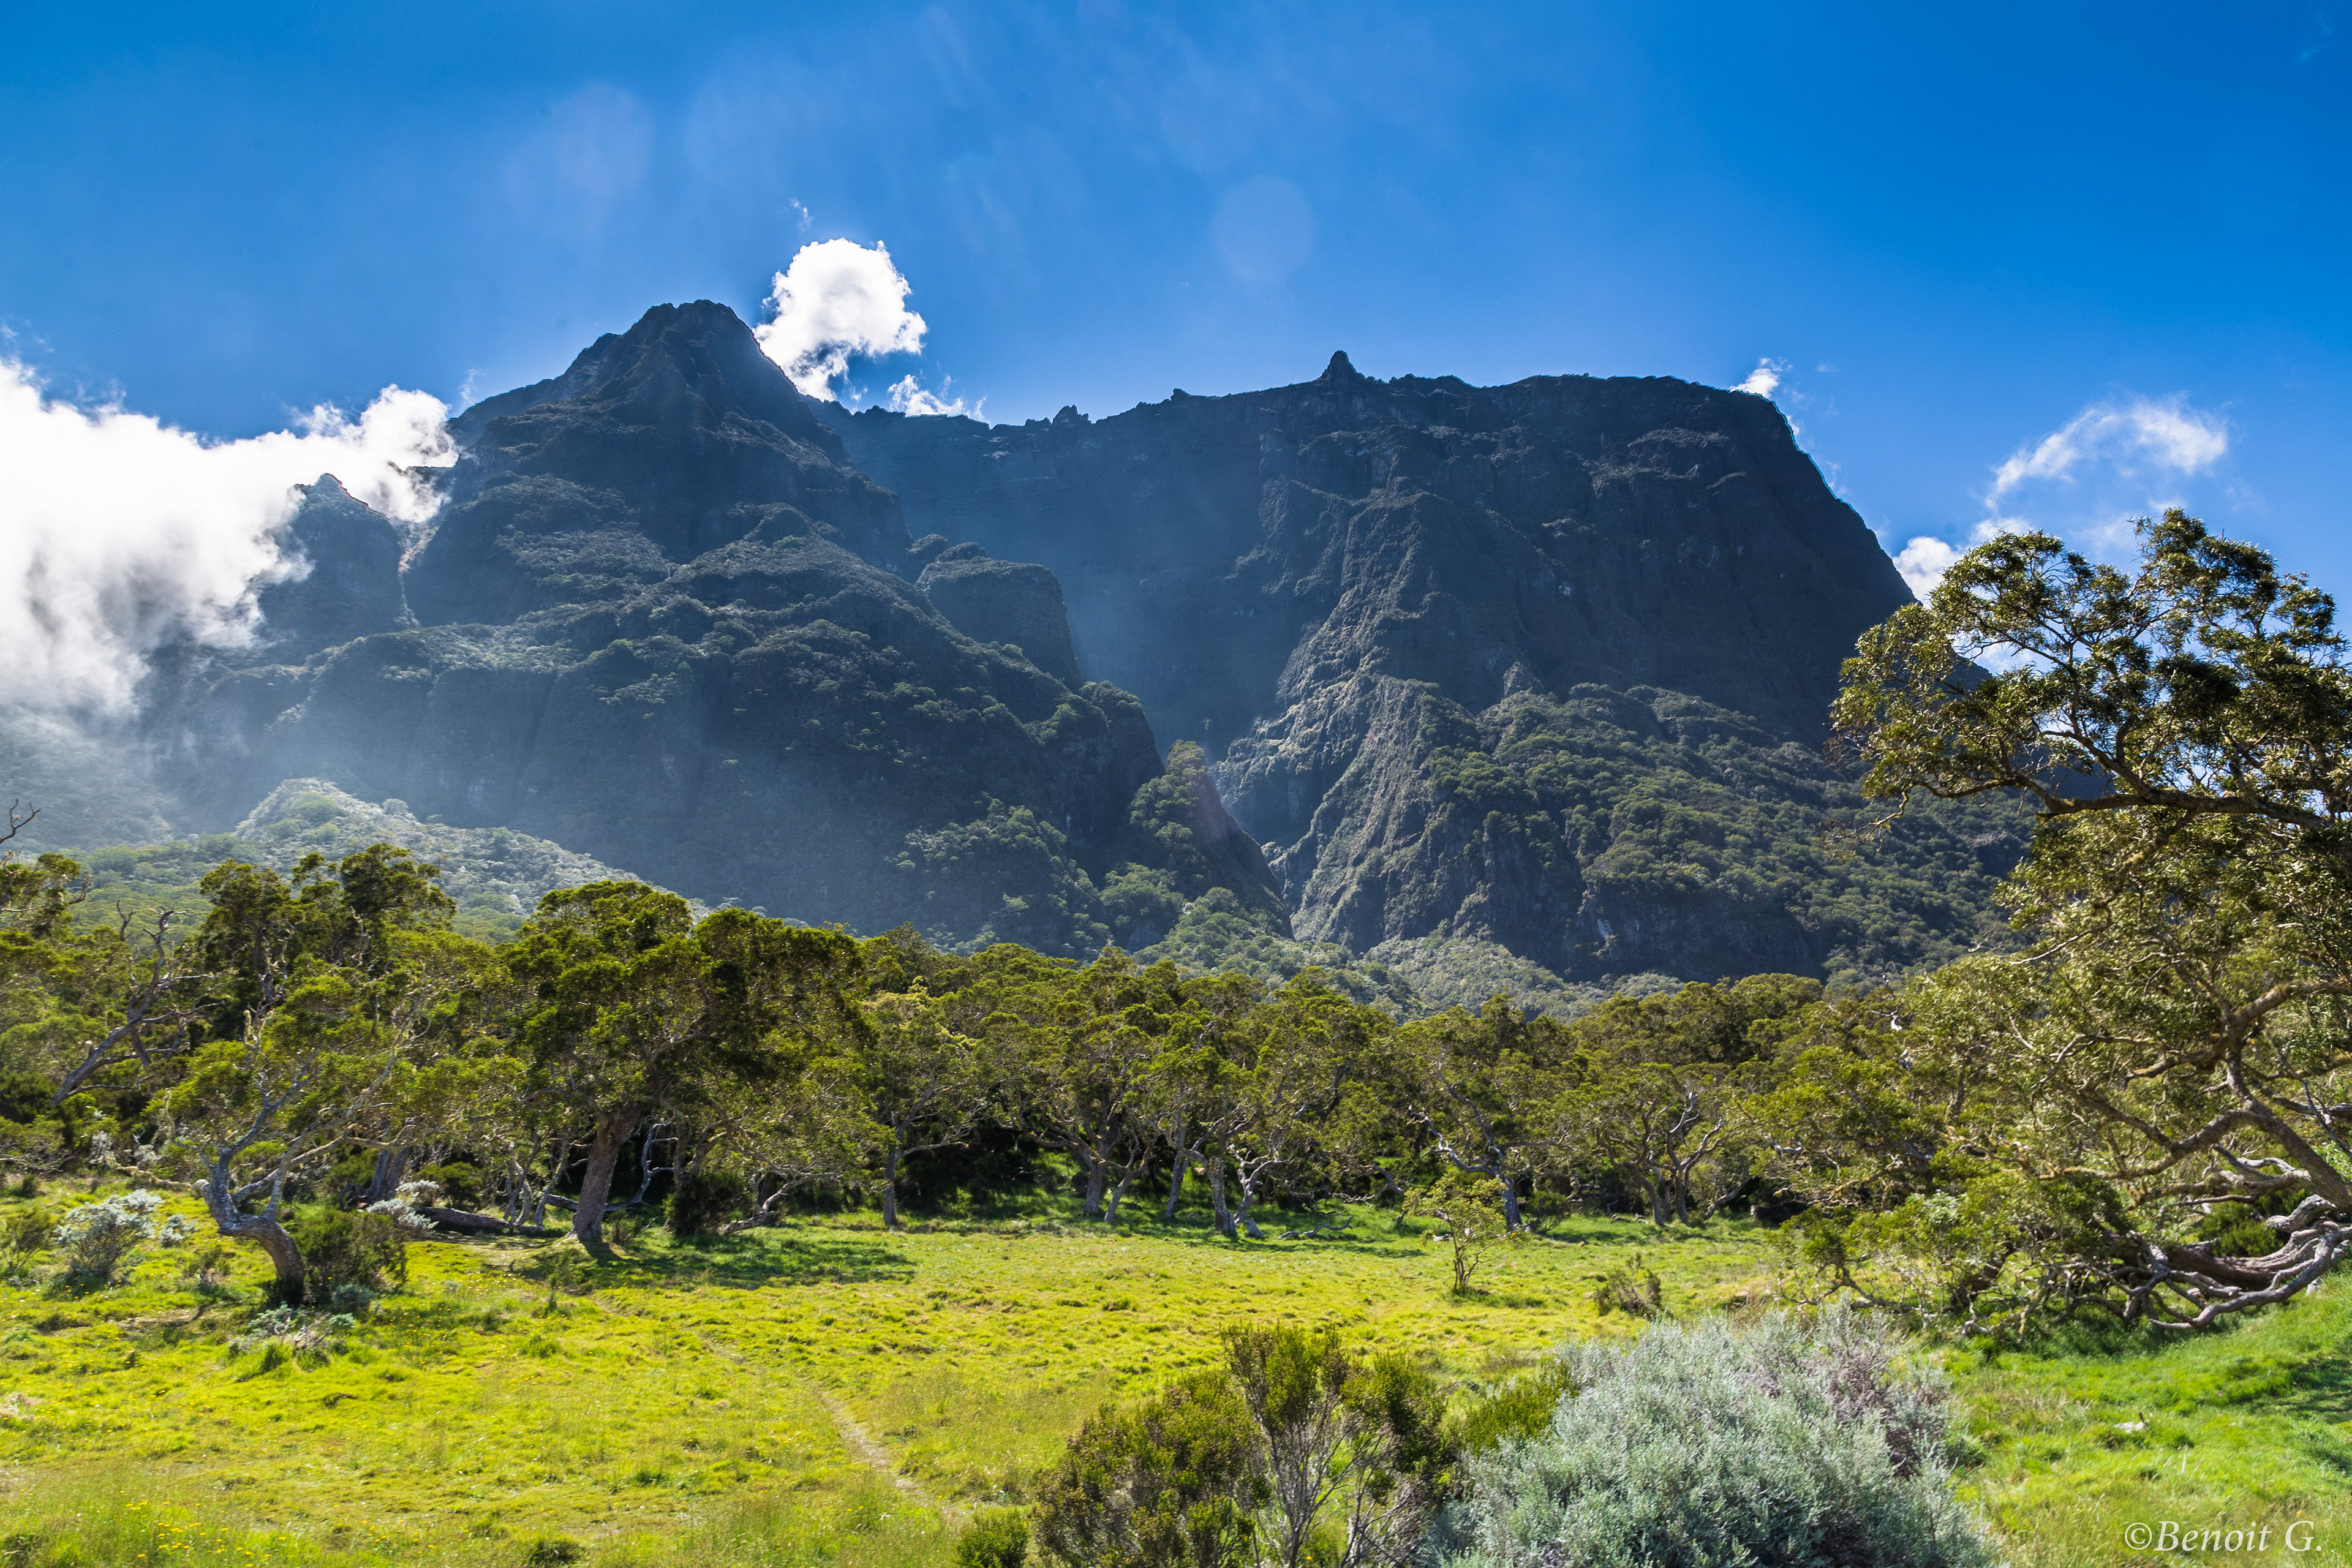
405	1201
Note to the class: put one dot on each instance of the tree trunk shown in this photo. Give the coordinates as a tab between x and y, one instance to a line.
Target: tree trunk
391	1164
1510	1203
1118	1193
1176	1184
1096	1180
596	1180
1225	1218
890	1189
264	1232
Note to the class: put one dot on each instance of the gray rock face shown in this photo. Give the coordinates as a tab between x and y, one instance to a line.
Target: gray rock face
662	621
1003	601
351	587
1545	665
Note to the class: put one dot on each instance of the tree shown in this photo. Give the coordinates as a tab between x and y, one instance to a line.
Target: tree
345	1058
2170	1056
1085	1045
1276	1075
635	1010
1468	1205
1482	1090
924	1079
1661	1078
329	1021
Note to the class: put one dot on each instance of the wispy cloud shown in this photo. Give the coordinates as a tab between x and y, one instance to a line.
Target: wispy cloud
125	533
837	299
2140	434
2086	480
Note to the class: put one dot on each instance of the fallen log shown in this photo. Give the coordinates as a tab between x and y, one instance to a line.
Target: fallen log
482	1225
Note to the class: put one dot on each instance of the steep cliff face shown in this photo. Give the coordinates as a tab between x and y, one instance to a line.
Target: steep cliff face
661	620
1545	665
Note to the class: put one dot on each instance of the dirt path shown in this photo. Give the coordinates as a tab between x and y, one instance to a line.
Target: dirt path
861	1443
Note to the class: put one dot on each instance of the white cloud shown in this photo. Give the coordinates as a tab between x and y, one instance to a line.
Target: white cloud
836	300
907	396
1765	379
126	533
1923	563
2139	435
2087	480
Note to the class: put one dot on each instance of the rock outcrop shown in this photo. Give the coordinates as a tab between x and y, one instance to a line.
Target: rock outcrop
663	621
1545	665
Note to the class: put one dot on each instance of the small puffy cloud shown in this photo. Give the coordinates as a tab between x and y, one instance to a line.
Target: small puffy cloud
1923	563
907	396
1765	379
836	300
126	533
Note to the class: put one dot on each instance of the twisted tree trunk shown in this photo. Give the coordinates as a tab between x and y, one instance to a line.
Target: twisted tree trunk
596	1180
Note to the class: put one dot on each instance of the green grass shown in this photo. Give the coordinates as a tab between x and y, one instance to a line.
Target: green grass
2248	1428
829	1392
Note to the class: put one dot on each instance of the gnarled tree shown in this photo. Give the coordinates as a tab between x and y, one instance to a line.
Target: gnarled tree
2173	1107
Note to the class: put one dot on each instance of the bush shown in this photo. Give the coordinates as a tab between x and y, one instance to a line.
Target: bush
1516	1412
98	1237
340	1247
1170	1482
554	1552
997	1538
705	1198
26	1231
1631	1288
1805	1446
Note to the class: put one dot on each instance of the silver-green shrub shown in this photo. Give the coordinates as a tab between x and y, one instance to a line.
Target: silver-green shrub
1798	1443
98	1237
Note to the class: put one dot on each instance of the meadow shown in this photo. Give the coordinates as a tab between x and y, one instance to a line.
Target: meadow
828	1392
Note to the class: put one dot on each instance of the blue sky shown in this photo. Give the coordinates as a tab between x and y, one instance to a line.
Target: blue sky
1958	234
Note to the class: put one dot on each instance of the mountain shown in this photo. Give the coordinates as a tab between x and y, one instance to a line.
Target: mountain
662	620
1520	687
1543	666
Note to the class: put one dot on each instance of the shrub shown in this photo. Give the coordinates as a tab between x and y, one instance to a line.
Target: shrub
1516	1412
26	1231
554	1552
1805	1446
98	1237
705	1198
340	1247
403	1207
23	1096
1631	1288
997	1538
1170	1482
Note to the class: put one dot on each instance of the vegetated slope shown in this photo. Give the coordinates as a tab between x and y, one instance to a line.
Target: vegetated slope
496	875
661	620
1544	665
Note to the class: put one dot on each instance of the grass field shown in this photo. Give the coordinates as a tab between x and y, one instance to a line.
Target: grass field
829	1392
